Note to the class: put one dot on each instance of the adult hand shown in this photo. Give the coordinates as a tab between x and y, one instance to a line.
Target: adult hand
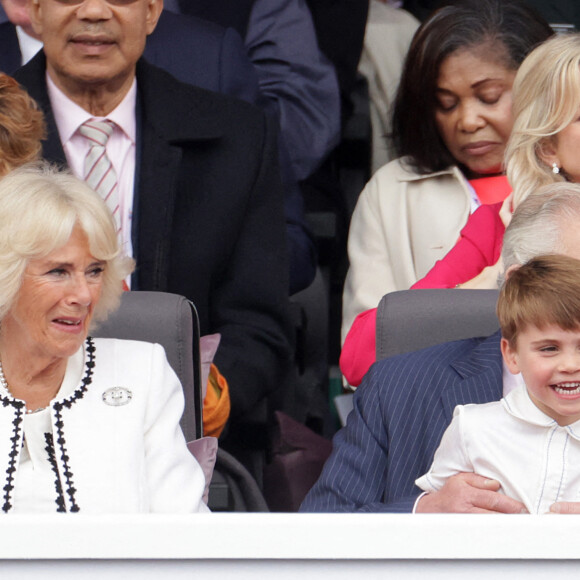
469	493
565	507
486	279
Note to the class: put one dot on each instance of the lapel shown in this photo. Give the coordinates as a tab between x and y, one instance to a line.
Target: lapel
171	116
156	168
32	77
10	55
480	377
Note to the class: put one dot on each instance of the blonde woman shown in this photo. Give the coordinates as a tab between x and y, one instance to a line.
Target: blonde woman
89	425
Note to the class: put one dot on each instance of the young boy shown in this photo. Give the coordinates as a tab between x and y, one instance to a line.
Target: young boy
530	440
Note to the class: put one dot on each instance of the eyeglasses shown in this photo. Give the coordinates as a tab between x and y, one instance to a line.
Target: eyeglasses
111	2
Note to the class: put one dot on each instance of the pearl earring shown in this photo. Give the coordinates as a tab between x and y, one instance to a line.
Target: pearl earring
555	168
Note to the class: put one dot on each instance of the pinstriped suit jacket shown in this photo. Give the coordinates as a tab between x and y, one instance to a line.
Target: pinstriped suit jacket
401	410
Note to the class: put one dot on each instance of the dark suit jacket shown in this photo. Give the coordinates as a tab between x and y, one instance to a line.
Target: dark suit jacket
204	54
213	57
298	84
194	51
340	28
400	412
208	219
10	56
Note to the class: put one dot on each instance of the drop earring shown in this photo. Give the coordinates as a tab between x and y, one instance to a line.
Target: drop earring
555	168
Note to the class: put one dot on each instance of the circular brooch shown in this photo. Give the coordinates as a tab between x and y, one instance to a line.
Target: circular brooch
117	396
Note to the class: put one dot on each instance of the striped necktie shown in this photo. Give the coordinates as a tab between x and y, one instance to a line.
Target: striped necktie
99	172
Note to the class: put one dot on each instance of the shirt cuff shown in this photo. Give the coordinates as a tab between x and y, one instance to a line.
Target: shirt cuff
417	501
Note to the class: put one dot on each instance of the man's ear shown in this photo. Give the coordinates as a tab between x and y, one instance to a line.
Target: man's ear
510	271
154	9
547	152
510	357
35	12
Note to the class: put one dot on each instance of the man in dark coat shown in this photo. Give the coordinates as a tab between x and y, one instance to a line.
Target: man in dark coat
207	217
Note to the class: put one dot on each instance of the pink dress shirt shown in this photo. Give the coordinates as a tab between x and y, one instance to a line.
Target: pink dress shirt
120	148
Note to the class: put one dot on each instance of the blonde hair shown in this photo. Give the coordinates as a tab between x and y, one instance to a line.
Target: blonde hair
21	126
40	205
546	99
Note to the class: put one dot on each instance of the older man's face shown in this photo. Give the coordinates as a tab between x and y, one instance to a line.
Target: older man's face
93	42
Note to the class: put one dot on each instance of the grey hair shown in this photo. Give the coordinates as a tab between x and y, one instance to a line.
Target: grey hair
537	224
40	205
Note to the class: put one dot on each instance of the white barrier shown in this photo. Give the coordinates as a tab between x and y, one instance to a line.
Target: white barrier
280	546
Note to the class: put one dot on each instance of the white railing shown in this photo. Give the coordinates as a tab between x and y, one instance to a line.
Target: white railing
281	546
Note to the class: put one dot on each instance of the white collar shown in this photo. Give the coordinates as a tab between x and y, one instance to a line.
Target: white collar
518	404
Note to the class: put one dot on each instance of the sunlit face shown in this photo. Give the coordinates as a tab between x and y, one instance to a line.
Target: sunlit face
564	150
549	360
93	41
54	307
473	112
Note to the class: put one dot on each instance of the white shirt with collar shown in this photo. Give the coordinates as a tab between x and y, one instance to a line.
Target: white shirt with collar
510	382
120	148
535	460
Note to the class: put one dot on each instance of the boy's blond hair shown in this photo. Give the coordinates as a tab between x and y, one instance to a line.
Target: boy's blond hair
544	291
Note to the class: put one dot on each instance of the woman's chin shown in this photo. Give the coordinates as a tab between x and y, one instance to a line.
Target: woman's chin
485	171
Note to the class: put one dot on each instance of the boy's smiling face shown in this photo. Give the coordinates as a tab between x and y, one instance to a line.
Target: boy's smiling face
549	360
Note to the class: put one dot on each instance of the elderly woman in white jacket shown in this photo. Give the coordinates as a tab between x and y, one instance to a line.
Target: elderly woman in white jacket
89	425
451	122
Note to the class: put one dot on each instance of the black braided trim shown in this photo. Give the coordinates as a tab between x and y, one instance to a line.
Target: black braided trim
68	403
60	505
16	443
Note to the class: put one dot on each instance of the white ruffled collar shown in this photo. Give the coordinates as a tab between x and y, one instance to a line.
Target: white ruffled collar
518	404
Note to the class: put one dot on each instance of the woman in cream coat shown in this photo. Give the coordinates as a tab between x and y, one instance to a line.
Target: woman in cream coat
452	119
89	425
